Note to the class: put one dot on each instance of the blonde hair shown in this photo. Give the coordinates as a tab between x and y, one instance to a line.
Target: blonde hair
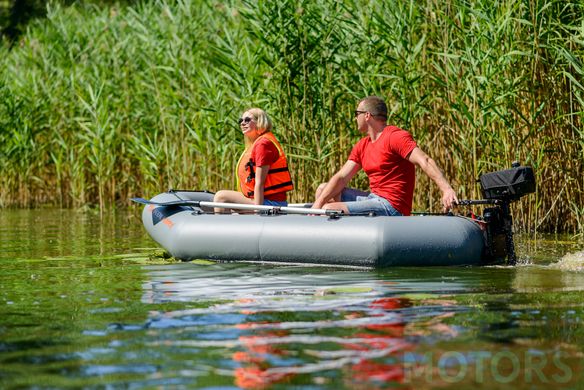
262	120
263	124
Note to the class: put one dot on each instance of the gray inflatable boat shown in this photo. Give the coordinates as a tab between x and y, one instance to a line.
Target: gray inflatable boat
189	232
183	223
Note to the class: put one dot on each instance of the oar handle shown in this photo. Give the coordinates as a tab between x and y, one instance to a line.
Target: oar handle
470	202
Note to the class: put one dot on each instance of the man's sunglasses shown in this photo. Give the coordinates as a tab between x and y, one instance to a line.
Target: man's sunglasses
245	120
357	113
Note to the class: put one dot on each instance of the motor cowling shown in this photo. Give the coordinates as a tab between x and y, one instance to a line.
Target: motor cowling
509	184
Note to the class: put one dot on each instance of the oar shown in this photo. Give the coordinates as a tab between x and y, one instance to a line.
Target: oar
238	206
300	205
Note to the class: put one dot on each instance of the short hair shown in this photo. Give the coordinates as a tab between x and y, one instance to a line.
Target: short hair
375	105
262	120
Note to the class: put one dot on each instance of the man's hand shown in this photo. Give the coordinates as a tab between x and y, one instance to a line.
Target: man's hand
449	199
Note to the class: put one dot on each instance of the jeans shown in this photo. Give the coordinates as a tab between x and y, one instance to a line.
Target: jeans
275	203
361	202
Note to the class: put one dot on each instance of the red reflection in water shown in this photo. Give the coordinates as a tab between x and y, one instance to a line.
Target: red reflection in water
367	370
257	377
257	374
381	336
377	341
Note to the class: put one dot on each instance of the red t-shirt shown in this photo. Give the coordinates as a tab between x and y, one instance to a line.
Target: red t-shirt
391	175
264	152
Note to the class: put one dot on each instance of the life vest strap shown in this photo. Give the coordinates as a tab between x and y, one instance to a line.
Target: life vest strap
275	187
278	170
270	188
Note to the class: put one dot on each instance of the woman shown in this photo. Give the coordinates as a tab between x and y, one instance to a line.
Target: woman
262	170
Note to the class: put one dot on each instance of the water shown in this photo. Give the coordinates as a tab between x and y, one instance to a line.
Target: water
81	306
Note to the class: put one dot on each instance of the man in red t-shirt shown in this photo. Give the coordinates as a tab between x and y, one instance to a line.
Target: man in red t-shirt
388	156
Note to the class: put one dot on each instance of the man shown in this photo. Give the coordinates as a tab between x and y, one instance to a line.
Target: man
388	156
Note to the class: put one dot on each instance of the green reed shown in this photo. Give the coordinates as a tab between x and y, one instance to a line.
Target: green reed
101	104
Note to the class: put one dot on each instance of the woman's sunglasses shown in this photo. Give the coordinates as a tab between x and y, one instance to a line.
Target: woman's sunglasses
245	120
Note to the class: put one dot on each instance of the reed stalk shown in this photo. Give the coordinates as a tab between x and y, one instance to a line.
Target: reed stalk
98	104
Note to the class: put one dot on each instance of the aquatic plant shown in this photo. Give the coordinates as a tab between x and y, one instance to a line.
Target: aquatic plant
98	104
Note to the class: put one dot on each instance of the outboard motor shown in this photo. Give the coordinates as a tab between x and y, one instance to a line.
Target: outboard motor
504	187
500	189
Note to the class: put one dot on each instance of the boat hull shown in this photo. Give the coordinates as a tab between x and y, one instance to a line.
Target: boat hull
370	241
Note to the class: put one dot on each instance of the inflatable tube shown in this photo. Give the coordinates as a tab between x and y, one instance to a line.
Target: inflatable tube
188	232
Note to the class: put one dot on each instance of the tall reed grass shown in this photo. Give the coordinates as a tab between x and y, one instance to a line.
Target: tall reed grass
101	104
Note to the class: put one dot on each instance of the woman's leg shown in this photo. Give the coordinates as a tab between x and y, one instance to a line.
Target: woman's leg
228	196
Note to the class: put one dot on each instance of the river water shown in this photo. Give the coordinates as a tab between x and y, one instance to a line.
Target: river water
82	305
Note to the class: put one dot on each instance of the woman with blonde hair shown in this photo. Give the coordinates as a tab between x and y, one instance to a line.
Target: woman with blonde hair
262	170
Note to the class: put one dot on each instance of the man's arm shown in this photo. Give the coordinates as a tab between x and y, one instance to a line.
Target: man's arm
336	184
428	165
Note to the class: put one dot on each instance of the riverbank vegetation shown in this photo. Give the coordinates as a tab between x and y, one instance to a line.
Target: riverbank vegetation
99	104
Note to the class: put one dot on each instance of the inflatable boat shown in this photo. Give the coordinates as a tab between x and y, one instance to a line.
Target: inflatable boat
184	224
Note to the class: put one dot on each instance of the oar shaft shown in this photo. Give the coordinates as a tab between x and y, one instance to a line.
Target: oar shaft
300	205
289	210
239	206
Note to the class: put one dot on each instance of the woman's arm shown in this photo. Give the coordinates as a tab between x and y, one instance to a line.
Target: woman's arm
260	180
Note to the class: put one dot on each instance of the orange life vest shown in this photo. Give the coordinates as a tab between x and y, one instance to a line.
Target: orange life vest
278	178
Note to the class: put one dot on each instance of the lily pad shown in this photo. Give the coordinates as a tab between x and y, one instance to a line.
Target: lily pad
202	262
344	290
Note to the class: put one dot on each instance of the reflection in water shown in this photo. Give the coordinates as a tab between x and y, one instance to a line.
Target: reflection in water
41	233
360	350
266	284
286	323
74	316
365	329
546	279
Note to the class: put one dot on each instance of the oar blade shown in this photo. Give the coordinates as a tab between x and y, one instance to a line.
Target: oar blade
171	203
141	200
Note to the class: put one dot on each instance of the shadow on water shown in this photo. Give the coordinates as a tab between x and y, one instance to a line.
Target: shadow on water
76	313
